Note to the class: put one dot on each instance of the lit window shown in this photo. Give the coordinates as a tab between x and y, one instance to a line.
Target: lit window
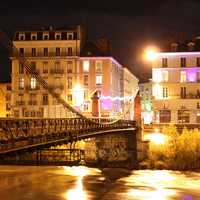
86	66
21	83
165	76
33	82
99	79
157	91
98	66
157	76
183	77
69	82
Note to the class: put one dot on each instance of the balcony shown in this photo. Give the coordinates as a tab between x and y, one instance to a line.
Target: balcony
57	71
32	103
41	54
20	103
32	88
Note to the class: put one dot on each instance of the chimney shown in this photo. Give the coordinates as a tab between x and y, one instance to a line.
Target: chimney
191	46
174	47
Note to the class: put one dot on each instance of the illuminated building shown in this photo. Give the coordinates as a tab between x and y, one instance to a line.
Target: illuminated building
146	102
73	68
176	85
5	99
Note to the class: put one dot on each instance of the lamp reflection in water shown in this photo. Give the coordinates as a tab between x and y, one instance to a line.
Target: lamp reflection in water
157	180
78	192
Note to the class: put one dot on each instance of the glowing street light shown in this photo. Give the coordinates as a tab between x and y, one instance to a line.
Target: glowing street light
151	54
156	138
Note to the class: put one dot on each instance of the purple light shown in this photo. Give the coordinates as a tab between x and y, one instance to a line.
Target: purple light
106	104
191	75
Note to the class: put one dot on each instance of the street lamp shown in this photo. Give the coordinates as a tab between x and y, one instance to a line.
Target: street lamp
151	53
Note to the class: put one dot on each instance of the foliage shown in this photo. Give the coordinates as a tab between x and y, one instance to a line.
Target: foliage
181	151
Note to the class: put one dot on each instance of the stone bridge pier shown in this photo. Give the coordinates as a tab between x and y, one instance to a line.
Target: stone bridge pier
119	149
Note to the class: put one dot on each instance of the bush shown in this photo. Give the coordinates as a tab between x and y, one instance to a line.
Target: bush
180	151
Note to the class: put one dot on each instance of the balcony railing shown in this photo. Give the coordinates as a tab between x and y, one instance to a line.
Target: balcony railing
32	88
57	71
20	103
41	54
32	102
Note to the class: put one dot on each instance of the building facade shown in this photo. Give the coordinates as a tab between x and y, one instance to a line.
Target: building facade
5	102
72	68
146	102
176	87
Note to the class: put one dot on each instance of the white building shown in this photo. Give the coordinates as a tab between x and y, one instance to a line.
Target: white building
176	87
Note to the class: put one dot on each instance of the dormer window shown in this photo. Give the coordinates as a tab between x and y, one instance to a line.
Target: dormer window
191	46
70	36
22	36
174	47
58	36
33	36
45	36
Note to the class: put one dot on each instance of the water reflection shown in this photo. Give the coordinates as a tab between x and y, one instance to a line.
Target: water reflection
82	183
77	193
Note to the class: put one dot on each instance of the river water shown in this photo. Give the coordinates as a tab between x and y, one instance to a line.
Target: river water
83	183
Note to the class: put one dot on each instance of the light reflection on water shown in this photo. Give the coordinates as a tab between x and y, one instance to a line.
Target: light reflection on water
83	183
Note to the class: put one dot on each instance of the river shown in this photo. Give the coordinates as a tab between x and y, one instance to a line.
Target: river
83	183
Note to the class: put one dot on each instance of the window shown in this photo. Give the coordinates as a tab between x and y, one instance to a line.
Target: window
69	67
164	62
69	82
85	95
183	92
33	82
85	81
45	36
33	51
58	36
165	92
57	51
33	66
21	51
183	62
183	116
198	105
21	36
69	51
86	65
164	76
183	77
198	76
198	61
157	76
99	79
165	116
45	51
98	65
21	68
21	83
34	36
70	36
45	67
45	100
69	97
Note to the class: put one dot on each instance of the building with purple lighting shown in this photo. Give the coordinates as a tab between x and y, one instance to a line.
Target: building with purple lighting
176	85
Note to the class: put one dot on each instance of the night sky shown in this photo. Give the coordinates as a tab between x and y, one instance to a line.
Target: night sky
130	25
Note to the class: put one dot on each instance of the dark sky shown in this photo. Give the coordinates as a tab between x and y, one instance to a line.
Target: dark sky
129	24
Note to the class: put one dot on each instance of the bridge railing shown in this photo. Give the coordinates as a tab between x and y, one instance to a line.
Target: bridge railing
22	132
